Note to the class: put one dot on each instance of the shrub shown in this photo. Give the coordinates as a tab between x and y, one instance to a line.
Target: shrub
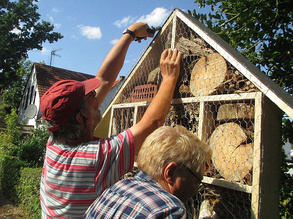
10	164
28	191
9	176
32	147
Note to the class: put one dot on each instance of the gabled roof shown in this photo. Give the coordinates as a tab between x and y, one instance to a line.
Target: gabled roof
169	35
48	75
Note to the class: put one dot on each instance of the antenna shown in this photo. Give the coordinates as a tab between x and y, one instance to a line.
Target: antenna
53	53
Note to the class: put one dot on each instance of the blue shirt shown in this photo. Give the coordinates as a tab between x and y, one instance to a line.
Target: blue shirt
136	197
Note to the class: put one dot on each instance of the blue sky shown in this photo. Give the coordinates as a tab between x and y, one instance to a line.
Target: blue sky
91	27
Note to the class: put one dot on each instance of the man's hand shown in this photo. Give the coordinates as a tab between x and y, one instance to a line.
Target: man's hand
170	63
140	30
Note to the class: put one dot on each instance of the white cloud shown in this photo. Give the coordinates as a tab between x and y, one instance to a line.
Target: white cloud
90	32
45	51
156	17
114	41
124	22
55	10
57	26
51	18
71	18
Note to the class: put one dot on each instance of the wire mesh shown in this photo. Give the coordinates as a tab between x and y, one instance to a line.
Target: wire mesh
210	100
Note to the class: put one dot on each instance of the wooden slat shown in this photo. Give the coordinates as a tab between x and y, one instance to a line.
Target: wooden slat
226	184
213	98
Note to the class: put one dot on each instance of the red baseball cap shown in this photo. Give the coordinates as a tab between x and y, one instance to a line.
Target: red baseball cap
63	98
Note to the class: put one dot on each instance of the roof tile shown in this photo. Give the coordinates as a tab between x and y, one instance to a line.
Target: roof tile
48	75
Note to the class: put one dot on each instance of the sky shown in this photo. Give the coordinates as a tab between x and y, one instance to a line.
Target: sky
91	28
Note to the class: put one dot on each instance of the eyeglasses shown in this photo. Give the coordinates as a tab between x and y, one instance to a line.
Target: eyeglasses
199	181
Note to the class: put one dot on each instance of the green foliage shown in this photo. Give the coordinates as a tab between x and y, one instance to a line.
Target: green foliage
9	176
21	30
3	112
33	147
28	191
14	91
287	130
17	151
13	127
10	137
9	164
286	192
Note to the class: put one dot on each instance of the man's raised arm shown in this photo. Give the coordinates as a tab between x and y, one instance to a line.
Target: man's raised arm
113	62
157	111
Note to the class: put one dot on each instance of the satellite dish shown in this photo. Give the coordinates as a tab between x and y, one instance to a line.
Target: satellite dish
31	111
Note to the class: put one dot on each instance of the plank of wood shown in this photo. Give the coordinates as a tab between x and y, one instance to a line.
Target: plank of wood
235	111
207	74
231	156
188	47
153	76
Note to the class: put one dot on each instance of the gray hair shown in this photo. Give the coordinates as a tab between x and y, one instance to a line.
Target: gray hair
172	144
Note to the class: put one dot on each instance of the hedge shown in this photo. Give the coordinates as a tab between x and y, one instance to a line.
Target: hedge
28	191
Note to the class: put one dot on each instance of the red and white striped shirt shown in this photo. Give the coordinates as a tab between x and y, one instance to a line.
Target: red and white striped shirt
73	177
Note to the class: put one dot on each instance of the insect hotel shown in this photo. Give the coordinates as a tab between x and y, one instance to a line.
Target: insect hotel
227	102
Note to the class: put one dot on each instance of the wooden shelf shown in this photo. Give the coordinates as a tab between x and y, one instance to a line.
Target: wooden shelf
226	184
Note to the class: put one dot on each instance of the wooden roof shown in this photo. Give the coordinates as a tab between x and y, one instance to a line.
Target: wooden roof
48	75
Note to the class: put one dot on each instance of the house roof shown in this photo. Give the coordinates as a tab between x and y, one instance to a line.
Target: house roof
48	75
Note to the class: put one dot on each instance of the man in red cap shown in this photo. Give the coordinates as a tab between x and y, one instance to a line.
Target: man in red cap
78	167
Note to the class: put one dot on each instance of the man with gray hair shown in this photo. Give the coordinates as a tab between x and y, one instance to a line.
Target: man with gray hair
171	166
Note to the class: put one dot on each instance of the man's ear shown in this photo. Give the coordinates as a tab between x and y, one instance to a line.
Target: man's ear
80	118
169	172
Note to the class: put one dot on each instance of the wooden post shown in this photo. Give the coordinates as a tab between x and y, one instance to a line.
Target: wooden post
267	161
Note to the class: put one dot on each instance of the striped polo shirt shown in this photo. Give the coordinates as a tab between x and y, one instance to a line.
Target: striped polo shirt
73	177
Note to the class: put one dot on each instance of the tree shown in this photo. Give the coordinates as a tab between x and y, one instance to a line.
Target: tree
14	91
21	30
